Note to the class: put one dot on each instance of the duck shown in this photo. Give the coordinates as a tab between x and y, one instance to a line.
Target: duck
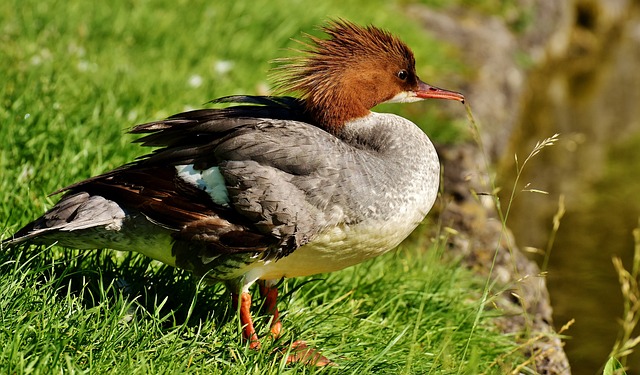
270	187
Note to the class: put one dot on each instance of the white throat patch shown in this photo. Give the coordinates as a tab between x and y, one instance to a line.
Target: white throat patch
404	97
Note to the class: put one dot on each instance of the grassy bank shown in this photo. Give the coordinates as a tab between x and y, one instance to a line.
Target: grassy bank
76	76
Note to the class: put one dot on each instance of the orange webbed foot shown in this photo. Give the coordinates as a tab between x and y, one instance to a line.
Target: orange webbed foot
300	352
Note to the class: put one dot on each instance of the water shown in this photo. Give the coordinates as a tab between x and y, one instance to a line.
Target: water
595	105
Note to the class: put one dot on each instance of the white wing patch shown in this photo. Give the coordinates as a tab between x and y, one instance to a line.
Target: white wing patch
209	180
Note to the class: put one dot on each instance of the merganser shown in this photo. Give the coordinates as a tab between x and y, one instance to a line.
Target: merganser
274	186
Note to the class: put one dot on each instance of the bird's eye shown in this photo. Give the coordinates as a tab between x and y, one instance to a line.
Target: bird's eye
403	74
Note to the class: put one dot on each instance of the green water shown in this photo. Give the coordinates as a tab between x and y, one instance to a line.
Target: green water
596	167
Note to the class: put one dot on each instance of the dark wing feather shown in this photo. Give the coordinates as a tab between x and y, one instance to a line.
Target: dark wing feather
268	159
200	126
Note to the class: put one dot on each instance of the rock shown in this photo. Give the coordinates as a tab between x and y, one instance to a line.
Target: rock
495	55
522	296
496	91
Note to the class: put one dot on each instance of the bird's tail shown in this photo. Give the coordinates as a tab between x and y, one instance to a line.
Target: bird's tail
75	211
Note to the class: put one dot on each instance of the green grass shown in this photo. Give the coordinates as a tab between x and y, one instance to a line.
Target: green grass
75	76
403	313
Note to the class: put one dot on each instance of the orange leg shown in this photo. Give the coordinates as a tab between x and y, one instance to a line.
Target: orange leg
269	292
248	330
299	350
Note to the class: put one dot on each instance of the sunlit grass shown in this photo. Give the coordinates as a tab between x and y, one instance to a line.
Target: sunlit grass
403	313
627	341
76	76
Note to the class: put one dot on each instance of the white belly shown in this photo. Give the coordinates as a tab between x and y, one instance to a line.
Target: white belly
336	248
333	250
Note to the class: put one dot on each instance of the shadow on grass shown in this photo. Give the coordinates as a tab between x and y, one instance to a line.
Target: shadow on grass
96	277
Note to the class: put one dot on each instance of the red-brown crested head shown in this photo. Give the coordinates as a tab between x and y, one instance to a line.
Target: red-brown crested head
356	68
